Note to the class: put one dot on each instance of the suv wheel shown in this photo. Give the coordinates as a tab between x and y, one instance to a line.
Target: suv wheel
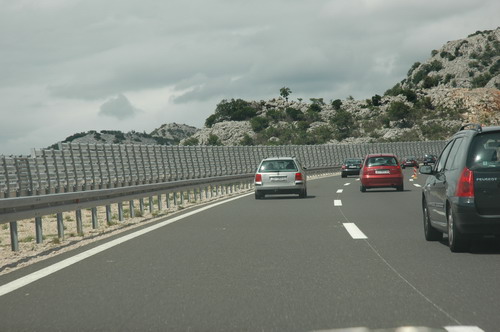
362	188
303	193
457	241
258	195
400	188
431	234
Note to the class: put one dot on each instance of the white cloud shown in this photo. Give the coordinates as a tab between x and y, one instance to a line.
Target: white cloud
119	108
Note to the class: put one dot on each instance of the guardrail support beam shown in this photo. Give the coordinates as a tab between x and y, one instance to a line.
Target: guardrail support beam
14	240
95	222
60	226
79	223
38	230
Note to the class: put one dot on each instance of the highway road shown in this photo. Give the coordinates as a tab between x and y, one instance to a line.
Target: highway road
337	259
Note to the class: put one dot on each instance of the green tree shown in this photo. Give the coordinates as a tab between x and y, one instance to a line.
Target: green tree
259	123
344	123
294	114
247	140
399	111
233	110
285	92
376	100
191	141
337	103
213	140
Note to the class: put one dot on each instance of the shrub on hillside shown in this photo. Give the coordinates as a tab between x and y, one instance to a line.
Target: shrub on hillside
234	110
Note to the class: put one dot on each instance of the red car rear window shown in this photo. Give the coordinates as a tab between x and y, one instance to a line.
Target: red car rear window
381	161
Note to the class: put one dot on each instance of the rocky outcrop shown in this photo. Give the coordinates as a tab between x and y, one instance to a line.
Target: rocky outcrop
472	62
225	133
174	132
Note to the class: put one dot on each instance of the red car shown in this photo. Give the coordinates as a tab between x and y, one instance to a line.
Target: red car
381	170
409	162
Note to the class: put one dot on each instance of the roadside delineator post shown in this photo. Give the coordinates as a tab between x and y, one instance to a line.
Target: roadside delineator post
414	176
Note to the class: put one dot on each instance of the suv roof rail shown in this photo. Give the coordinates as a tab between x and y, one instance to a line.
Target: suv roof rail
475	126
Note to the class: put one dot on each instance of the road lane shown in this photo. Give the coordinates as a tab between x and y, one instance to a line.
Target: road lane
281	263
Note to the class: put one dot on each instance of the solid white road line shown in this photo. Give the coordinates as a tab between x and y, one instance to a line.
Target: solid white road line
337	202
354	231
16	284
340	191
463	329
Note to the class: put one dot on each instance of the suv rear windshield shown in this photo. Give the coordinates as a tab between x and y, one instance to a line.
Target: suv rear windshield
353	161
278	166
484	153
381	161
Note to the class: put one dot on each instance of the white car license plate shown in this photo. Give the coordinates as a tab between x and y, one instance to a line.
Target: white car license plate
352	166
278	179
382	171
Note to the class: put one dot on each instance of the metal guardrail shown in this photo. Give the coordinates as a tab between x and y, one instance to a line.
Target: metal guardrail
81	167
79	176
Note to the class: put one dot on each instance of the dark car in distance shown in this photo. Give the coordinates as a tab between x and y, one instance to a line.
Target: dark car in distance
351	166
429	159
409	161
461	195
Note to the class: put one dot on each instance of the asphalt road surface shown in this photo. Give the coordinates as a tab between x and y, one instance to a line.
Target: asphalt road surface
337	259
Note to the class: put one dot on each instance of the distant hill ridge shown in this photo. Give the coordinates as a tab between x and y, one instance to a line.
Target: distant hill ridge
458	83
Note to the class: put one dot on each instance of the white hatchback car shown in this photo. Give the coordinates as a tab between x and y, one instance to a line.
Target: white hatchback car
280	175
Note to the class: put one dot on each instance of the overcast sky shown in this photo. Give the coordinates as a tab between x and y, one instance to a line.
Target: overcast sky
68	66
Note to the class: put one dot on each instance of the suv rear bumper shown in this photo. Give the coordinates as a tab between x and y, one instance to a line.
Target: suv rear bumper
468	221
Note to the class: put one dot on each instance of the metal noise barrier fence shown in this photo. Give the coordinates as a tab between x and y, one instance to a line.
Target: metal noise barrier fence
86	176
82	167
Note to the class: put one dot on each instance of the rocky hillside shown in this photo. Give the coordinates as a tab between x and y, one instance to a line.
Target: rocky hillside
167	134
458	83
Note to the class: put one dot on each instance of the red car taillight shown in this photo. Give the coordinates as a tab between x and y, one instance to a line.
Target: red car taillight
465	186
298	177
343	167
258	177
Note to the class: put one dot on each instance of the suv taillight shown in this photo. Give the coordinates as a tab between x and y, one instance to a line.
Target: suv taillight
465	185
298	177
258	177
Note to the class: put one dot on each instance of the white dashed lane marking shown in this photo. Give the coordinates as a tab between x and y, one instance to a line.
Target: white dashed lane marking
354	231
417	185
340	191
346	184
337	202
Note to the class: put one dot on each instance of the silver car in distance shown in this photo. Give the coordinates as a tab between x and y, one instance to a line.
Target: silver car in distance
280	175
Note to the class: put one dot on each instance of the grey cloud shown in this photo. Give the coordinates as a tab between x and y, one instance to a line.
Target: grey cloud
119	108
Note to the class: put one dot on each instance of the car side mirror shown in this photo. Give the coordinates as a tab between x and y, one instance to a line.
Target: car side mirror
425	169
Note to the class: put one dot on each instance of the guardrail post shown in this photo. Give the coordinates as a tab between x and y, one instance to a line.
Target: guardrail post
120	211
95	222
175	198
132	209
38	229
141	205
200	193
182	198
168	200
150	202
160	205
60	226
79	223
14	240
108	214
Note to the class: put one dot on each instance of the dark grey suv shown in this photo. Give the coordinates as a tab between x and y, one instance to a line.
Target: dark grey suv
461	196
